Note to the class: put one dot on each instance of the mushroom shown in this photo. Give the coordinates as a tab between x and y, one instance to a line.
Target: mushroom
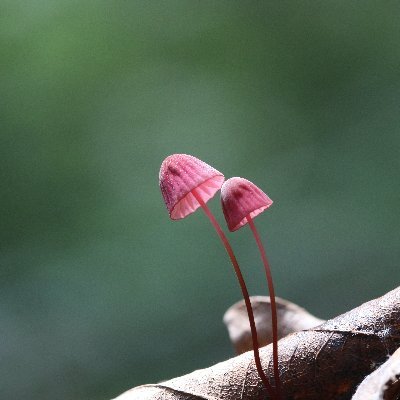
241	201
186	184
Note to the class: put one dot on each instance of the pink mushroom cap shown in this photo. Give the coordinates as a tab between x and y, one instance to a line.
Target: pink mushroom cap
179	175
241	198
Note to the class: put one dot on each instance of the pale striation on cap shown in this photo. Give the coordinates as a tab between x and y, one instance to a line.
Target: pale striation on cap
179	175
240	198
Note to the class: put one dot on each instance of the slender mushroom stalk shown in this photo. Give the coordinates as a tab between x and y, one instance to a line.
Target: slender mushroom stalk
241	201
186	184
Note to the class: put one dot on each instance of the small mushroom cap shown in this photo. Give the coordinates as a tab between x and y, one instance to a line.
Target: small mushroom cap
240	198
179	175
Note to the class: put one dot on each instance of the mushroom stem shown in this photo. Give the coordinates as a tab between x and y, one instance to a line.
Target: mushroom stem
243	287
273	304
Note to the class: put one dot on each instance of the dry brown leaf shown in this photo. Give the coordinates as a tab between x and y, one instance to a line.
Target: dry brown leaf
382	384
327	362
291	318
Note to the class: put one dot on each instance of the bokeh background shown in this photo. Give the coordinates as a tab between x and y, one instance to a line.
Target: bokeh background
99	290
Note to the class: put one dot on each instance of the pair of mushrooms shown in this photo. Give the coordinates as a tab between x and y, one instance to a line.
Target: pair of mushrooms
186	184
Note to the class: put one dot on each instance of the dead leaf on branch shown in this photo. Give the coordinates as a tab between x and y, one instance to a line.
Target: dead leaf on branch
291	318
382	384
326	362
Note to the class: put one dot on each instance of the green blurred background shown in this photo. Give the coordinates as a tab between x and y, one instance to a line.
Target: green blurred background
100	291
